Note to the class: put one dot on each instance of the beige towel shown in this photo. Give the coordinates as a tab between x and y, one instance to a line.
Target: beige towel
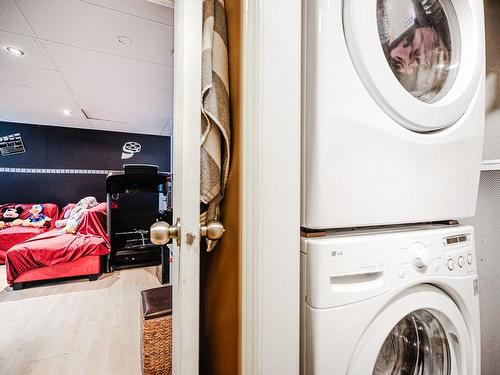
215	124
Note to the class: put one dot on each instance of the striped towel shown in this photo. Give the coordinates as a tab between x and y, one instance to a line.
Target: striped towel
215	122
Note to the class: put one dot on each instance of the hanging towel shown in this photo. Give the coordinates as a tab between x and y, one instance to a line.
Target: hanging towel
215	122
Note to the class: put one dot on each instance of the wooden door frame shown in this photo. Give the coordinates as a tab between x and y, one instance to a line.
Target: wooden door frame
271	165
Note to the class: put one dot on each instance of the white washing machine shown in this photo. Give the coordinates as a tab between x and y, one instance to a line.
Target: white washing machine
393	111
390	303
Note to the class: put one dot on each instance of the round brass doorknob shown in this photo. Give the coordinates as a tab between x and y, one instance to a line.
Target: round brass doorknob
161	232
213	230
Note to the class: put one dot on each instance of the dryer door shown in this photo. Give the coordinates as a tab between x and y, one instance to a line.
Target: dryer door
422	332
421	60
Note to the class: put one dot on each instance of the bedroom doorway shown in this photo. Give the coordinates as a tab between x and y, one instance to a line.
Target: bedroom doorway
87	86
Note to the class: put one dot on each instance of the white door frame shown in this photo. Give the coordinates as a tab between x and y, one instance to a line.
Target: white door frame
271	186
186	197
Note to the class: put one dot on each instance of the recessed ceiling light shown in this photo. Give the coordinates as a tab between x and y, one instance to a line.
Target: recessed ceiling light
66	112
15	51
123	39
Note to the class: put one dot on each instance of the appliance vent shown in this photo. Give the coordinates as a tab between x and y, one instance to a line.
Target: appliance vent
487	239
11	144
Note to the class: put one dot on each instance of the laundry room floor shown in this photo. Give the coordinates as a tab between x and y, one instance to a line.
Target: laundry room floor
74	327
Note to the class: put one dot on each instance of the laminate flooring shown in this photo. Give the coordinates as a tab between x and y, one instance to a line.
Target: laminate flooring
74	327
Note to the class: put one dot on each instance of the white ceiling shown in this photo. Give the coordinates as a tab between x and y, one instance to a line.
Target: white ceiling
74	61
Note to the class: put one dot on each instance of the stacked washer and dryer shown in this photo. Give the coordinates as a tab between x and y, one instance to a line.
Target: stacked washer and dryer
393	106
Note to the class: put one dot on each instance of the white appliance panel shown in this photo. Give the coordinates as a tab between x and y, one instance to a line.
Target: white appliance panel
365	164
357	286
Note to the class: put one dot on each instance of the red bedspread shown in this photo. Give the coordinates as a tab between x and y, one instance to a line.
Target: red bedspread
53	247
14	235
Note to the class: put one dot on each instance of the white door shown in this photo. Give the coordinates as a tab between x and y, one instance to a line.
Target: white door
186	229
421	60
186	190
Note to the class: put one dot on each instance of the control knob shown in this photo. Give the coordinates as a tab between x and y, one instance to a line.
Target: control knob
421	255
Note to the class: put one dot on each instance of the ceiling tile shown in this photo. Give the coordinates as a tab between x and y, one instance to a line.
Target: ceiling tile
139	8
168	128
22	75
34	54
99	95
124	127
28	105
110	68
97	28
12	20
141	122
78	63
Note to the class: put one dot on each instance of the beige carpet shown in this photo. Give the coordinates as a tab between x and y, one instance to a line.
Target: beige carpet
74	327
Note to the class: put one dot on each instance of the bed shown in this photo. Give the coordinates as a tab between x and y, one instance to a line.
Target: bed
56	255
14	235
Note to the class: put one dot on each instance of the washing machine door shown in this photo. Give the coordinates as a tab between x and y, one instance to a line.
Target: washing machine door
421	60
422	332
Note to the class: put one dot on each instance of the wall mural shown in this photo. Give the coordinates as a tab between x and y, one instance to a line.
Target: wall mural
11	144
63	165
130	148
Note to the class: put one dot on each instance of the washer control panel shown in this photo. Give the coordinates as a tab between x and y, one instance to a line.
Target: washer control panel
458	251
346	267
451	254
432	255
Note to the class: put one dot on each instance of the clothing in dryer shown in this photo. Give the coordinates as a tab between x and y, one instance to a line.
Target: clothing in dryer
417	45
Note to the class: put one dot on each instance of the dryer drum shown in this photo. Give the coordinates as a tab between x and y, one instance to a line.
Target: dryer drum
417	345
416	39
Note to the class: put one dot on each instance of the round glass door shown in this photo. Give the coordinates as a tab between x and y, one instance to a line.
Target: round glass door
416	345
421	61
416	37
421	332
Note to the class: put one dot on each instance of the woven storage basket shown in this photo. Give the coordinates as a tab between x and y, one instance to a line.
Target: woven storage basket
156	331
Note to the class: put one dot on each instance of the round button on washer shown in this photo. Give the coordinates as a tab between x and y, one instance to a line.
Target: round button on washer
469	258
402	273
451	264
461	261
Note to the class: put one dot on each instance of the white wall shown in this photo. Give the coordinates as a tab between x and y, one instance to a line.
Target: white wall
487	235
271	186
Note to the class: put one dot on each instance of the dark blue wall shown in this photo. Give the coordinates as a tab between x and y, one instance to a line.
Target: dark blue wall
49	147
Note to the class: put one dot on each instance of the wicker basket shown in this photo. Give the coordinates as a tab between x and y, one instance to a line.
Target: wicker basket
156	333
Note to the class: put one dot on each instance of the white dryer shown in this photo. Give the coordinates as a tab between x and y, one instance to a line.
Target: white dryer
382	303
393	111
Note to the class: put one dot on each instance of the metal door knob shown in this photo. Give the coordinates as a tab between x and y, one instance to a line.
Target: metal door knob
161	232
214	230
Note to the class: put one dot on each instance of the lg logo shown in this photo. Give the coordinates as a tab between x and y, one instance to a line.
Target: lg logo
336	253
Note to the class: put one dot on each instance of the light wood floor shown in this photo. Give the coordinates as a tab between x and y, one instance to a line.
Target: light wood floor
74	327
